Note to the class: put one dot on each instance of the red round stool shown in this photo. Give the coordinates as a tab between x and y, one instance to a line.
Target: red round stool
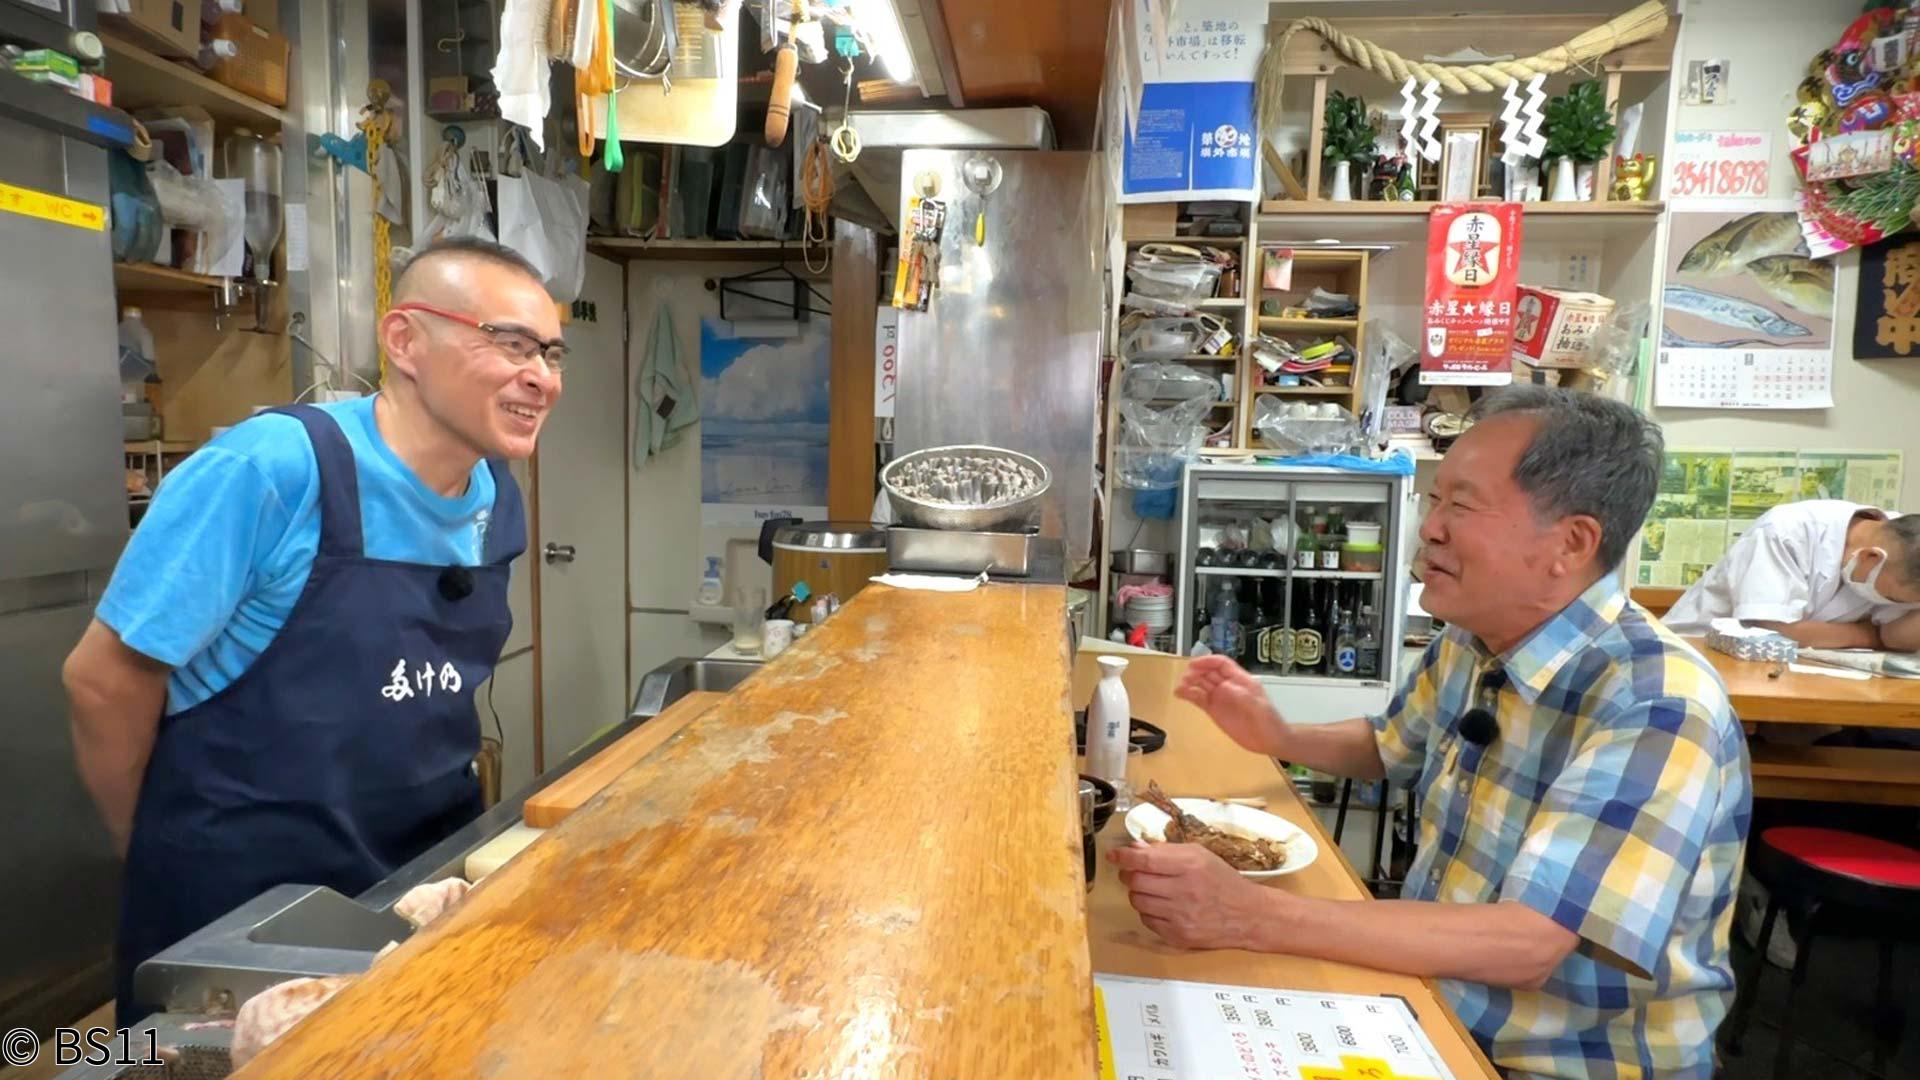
1835	882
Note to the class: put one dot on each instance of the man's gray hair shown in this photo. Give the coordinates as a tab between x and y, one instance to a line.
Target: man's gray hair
1589	455
1907	528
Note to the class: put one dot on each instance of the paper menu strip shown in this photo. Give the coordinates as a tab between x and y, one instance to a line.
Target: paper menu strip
296	238
1158	1029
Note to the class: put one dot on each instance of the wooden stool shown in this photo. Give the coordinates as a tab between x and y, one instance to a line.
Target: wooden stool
1831	881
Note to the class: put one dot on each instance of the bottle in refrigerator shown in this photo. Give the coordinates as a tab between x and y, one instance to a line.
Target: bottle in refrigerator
1346	645
1109	727
1306	551
1224	631
1367	661
1309	645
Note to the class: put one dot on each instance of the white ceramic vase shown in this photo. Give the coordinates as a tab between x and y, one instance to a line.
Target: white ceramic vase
1566	185
1342	181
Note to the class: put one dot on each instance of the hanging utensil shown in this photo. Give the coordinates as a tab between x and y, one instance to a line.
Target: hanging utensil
981	173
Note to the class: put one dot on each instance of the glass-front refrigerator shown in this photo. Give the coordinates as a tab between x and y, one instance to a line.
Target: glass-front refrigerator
1299	574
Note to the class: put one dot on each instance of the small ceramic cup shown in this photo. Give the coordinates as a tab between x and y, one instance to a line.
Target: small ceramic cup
775	638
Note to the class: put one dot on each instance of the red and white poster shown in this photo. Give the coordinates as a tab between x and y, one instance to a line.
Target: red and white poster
1473	268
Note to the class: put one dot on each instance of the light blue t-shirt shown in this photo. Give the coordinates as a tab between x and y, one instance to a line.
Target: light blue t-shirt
215	567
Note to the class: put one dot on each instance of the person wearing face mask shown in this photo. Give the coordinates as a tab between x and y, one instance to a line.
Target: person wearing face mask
1828	574
278	683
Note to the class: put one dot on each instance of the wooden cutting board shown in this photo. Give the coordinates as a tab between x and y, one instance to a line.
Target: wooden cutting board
565	795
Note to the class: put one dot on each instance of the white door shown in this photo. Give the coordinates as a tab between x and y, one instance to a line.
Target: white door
583	532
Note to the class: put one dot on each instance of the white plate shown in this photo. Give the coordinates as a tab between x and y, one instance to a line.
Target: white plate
1147	822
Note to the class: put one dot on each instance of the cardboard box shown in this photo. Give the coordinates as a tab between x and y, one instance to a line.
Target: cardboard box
167	27
1553	328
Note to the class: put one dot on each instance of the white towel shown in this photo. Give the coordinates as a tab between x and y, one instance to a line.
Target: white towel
520	69
931	583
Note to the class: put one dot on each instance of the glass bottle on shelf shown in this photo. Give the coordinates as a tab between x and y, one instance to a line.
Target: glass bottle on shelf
1255	629
1346	652
1204	557
1224	632
1309	645
1367	660
1306	551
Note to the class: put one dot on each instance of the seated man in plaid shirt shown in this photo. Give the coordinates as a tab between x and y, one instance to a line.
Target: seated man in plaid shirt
1582	779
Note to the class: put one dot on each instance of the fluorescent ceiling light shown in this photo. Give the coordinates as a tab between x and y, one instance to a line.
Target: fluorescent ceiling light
881	22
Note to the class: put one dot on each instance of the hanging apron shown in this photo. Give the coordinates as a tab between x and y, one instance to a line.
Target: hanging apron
345	750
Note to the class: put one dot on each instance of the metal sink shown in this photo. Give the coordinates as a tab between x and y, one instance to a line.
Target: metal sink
676	679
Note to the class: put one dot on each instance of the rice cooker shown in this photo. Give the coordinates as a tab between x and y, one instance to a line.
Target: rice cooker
832	557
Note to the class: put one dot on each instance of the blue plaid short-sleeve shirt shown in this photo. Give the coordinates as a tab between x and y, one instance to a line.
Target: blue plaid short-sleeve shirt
1615	801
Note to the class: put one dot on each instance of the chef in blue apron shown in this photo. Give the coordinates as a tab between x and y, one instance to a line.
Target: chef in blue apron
279	682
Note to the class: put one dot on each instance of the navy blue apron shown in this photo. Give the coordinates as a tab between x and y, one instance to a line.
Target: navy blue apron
345	750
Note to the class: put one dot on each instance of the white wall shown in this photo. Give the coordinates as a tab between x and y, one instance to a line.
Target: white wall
1769	43
667	544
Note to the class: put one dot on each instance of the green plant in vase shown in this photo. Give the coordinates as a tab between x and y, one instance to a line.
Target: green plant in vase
1349	137
1579	129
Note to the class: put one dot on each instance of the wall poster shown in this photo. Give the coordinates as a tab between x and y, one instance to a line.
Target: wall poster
1193	135
1886	320
1473	271
1709	498
1746	314
763	425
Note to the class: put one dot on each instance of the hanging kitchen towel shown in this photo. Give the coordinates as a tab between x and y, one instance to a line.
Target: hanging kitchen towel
666	402
544	217
520	70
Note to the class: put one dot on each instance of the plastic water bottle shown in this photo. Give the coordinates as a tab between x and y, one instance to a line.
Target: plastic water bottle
1110	730
1225	633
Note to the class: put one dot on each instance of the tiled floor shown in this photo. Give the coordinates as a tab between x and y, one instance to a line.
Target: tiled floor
1835	1009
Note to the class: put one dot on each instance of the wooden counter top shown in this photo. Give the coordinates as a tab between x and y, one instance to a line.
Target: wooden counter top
1813	699
1199	760
864	862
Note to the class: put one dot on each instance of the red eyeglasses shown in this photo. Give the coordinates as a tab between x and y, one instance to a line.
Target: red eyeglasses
517	343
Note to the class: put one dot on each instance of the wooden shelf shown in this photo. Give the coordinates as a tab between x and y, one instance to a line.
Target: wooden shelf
147	277
1307	326
1213	241
1325	208
634	247
142	80
1304	391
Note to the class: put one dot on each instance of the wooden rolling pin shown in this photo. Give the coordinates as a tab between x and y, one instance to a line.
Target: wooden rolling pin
550	806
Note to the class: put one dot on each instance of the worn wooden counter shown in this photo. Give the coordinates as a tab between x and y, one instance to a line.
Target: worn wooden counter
1199	760
864	862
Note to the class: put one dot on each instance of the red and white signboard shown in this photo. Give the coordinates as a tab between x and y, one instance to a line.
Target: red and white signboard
1720	164
1473	268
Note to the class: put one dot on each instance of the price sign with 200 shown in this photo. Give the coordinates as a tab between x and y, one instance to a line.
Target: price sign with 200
1720	178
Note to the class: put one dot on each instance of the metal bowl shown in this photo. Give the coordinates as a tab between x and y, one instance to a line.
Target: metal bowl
1010	516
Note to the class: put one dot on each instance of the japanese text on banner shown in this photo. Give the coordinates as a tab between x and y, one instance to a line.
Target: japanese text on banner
1473	268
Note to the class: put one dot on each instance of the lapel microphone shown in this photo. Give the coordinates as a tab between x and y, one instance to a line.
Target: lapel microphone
1479	727
456	583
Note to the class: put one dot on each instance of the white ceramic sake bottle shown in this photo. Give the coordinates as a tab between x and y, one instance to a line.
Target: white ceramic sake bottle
1109	730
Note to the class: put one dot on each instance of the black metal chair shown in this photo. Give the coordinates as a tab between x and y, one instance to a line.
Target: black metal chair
1831	883
1376	878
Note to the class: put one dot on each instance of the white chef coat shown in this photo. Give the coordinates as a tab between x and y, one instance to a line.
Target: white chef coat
1786	568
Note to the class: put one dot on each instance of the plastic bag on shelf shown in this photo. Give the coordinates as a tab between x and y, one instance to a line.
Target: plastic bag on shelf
1157	441
1616	347
1171	338
1173	272
1281	428
1389	353
1152	305
1160	383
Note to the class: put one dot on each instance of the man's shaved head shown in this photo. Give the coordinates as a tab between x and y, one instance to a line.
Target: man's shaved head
431	269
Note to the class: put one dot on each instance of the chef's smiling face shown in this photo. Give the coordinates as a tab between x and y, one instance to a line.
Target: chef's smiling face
480	386
1486	557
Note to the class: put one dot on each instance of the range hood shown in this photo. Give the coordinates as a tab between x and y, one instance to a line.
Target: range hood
886	134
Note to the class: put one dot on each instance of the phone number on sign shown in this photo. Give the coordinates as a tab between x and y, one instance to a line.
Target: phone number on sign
1720	178
91	1046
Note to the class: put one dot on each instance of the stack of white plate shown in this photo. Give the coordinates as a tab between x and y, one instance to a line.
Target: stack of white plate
1153	612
